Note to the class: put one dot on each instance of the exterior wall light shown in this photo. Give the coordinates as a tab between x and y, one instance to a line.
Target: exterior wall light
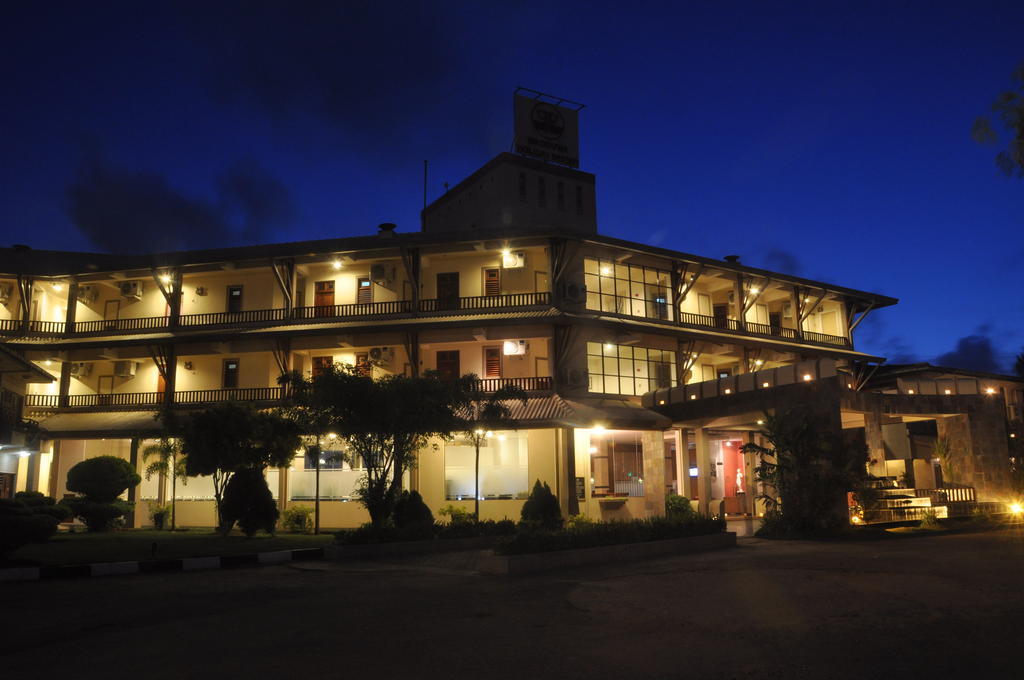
766	384
336	264
910	391
332	435
760	422
661	402
758	362
728	391
165	278
807	377
693	396
948	391
598	429
990	390
58	286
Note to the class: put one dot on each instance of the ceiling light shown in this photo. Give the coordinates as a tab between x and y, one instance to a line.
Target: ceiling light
758	362
336	264
755	290
58	286
990	390
807	377
760	422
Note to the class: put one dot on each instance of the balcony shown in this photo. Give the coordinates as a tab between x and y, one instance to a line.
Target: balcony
278	316
129	401
541	384
752	328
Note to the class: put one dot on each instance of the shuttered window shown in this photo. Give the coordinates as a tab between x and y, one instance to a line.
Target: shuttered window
492	282
492	362
364	291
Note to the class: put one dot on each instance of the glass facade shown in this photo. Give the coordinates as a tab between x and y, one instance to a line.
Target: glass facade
504	467
629	370
628	289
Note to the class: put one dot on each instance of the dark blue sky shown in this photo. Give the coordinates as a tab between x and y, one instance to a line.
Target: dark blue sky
827	139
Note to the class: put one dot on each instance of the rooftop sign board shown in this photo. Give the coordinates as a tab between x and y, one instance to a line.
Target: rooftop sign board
548	130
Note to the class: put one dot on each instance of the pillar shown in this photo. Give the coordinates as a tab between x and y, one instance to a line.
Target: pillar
653	446
568	438
875	441
64	386
72	309
133	491
703	451
282	488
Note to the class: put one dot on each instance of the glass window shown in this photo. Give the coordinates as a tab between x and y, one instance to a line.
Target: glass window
623	369
329	459
628	289
504	467
338	480
616	464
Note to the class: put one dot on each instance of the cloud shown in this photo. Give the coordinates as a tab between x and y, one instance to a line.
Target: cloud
126	211
972	352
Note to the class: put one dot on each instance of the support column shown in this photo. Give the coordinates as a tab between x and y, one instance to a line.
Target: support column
171	377
875	441
64	386
653	446
797	304
72	310
133	491
282	488
703	450
738	298
749	478
568	437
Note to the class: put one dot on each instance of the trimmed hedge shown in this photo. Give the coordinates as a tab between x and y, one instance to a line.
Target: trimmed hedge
369	534
597	534
19	525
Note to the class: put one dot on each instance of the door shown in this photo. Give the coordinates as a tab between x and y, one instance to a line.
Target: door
704	305
364	290
323	298
322	365
448	364
492	362
234	299
721	316
492	282
230	380
111	310
448	290
104	389
541	282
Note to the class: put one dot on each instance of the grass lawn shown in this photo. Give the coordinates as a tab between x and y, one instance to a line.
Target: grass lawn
138	544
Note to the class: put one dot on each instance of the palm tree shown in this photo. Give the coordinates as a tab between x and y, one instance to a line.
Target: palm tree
167	460
482	413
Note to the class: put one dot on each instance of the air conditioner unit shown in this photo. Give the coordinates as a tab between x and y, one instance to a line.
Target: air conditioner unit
200	290
787	311
88	294
132	289
575	378
382	355
574	293
5	293
513	259
81	369
513	348
125	369
382	275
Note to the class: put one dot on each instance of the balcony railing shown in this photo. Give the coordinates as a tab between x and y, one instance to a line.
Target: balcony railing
125	325
489	302
541	384
151	400
705	321
232	318
316	313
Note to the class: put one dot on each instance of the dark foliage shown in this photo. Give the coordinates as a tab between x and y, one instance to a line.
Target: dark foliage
679	508
19	526
248	501
370	533
99	516
44	505
541	509
410	510
593	535
103	478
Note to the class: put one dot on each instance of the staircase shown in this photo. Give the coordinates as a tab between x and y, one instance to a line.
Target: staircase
900	503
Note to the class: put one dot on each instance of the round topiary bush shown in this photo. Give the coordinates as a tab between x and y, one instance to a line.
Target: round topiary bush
102	479
248	501
410	510
541	509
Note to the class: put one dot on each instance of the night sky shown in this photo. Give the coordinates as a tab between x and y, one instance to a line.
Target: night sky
825	139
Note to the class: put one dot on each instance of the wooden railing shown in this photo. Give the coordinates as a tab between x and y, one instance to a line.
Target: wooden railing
690	319
41	400
315	313
528	384
948	494
232	318
125	325
149	400
485	302
116	400
233	394
826	339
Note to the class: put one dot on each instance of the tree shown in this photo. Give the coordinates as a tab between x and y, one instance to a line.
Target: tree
807	469
1008	108
101	481
480	414
167	460
248	501
383	421
231	436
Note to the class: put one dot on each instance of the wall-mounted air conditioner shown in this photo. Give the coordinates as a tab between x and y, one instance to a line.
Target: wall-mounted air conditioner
514	348
200	290
382	275
6	290
382	355
81	369
88	294
575	378
574	293
513	259
132	289
126	369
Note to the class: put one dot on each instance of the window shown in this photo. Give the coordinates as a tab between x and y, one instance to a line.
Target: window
522	187
616	464
627	289
329	459
364	290
504	467
230	380
560	192
624	369
579	200
234	299
363	366
542	196
492	362
492	282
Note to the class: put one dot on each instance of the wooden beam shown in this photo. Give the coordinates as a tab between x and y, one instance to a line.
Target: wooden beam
853	323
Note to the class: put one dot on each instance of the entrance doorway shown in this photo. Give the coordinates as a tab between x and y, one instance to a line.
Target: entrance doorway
448	364
448	290
323	298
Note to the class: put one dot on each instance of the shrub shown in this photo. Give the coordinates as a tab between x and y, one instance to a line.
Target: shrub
410	510
541	509
577	521
456	515
678	507
102	479
297	519
596	534
19	525
159	515
248	501
99	516
44	505
930	521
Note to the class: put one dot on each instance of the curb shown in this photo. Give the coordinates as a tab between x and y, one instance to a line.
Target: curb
157	566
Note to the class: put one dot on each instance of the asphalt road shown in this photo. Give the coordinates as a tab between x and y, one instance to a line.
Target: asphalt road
932	607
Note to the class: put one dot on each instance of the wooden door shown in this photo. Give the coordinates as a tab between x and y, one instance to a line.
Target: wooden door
104	388
364	290
721	316
492	282
448	290
230	379
323	298
448	364
234	299
492	362
111	310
